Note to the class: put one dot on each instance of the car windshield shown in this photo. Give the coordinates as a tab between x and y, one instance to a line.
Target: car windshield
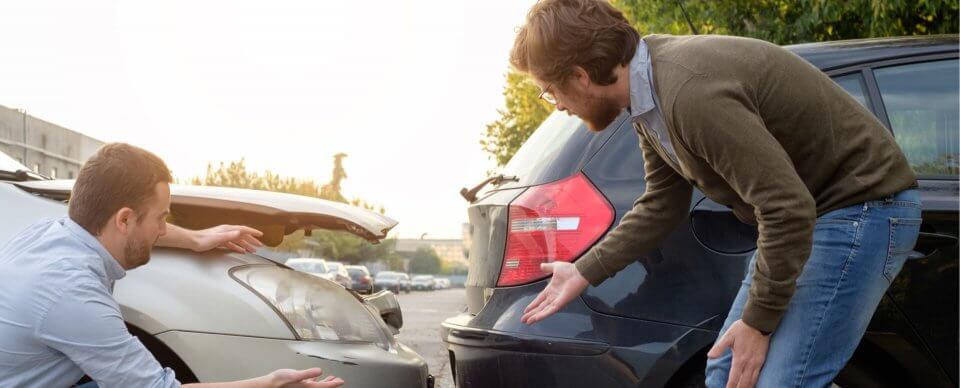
10	164
422	277
333	267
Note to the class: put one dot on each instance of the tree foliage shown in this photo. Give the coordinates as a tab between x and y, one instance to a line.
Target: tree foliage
425	261
777	21
524	111
795	21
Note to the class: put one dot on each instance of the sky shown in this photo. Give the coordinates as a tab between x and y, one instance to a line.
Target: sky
405	88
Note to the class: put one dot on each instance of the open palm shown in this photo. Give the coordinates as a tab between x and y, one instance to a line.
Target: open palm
566	284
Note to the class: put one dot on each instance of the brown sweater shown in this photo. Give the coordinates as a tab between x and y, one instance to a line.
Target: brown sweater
758	129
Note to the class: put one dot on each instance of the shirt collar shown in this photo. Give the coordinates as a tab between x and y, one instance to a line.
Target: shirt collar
641	92
113	269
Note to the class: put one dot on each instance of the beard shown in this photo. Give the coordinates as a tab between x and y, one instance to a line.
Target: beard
137	252
599	112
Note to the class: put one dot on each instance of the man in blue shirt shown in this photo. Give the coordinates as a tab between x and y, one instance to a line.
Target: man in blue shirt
58	318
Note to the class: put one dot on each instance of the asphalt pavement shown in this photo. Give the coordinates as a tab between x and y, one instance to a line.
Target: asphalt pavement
422	313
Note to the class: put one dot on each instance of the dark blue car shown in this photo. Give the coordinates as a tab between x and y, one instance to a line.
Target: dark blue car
651	326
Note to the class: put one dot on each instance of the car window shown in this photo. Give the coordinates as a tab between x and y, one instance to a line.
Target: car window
555	150
853	84
921	101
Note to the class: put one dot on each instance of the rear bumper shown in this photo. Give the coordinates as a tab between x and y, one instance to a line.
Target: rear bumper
576	347
215	357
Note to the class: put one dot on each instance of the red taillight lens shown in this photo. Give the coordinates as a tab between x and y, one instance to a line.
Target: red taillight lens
553	222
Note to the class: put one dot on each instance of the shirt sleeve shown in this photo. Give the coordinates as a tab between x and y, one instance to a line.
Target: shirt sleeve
85	324
719	122
655	214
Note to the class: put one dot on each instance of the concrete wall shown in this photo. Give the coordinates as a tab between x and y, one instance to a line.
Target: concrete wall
44	147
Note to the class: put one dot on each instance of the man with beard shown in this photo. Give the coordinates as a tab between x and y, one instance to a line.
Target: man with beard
755	128
58	318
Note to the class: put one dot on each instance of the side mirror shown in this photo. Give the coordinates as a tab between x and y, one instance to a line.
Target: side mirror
386	303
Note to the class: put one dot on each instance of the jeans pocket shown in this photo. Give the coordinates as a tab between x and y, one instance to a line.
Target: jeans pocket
903	236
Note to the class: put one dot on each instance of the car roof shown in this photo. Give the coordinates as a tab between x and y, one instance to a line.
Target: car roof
843	53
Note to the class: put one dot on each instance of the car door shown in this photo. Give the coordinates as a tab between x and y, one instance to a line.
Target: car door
919	101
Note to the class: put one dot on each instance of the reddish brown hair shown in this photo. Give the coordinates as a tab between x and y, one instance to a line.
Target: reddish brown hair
119	175
560	34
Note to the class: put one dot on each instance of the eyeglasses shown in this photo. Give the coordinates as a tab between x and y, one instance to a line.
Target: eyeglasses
548	96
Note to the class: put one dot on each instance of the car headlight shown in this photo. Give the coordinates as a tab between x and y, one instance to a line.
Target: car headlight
315	309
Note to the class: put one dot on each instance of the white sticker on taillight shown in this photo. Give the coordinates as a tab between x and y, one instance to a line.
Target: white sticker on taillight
543	224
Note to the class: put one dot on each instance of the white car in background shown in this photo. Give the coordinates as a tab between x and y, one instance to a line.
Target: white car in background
423	283
222	316
330	270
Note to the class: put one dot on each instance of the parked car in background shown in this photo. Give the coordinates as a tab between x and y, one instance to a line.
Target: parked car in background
315	267
360	277
223	316
442	283
423	283
337	272
651	326
393	281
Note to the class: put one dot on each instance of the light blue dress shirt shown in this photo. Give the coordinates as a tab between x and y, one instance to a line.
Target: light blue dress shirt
58	318
644	106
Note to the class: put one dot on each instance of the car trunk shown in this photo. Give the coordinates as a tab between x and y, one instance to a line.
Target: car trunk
275	214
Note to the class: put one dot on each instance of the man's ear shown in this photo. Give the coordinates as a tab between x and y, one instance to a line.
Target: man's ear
580	76
123	219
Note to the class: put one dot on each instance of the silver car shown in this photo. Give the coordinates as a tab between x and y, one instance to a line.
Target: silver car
220	316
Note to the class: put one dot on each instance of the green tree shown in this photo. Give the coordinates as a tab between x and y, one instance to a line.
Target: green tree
777	21
425	261
524	111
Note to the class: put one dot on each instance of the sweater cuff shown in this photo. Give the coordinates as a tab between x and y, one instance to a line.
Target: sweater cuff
591	268
760	318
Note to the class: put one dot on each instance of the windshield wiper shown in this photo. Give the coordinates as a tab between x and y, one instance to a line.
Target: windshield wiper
21	176
471	195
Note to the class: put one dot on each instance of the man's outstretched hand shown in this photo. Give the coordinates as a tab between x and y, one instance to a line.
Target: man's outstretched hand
310	378
566	284
237	238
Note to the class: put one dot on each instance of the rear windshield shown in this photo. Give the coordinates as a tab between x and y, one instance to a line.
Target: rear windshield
557	149
388	276
356	272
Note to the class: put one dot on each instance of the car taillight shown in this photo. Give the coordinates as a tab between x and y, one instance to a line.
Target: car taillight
365	280
558	221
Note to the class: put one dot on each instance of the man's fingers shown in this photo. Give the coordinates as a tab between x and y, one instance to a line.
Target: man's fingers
720	347
546	267
246	246
253	240
332	383
536	302
544	313
736	370
300	375
749	378
233	247
249	230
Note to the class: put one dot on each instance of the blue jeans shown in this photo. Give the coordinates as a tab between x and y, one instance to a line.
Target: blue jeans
857	252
